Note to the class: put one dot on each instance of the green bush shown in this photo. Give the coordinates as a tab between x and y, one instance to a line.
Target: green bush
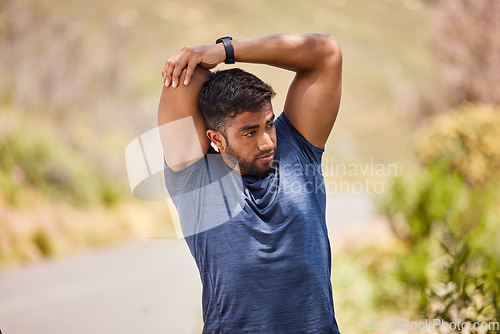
466	140
42	165
447	217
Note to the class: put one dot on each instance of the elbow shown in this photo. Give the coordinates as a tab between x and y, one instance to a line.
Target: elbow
322	51
331	53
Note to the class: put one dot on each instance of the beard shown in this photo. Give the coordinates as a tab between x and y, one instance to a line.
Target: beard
250	166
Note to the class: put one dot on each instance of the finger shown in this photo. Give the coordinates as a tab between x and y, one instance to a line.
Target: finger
180	65
164	73
189	71
168	70
163	77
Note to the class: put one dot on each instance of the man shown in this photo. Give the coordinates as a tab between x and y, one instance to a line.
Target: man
253	214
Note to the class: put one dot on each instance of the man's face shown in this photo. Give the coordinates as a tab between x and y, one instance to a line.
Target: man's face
251	141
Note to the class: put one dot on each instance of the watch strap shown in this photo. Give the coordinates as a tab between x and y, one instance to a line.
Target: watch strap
228	47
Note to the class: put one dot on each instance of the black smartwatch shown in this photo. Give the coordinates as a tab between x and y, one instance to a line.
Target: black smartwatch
228	46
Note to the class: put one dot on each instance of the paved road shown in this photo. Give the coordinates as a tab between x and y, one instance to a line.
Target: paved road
148	288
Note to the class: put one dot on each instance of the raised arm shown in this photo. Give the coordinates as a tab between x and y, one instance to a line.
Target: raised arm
314	96
181	124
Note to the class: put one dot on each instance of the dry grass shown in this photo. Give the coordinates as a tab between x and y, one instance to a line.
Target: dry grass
59	230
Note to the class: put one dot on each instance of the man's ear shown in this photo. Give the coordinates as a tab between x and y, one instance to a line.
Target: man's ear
218	139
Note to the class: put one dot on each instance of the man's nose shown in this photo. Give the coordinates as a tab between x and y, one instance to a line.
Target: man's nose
265	143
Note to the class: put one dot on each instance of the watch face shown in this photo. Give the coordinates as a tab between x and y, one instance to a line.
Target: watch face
219	40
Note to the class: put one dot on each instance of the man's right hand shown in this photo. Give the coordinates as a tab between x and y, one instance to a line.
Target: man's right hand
207	56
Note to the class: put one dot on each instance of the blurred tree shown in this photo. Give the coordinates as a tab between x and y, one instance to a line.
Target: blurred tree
466	45
447	218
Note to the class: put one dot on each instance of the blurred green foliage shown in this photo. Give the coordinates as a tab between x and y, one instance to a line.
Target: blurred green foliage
447	218
43	164
468	142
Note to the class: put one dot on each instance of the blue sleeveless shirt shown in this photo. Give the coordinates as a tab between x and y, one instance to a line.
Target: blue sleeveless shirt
261	245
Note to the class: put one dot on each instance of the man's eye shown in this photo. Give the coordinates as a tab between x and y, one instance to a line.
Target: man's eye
249	134
270	125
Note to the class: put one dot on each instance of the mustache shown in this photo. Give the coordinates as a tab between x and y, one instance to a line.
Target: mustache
271	151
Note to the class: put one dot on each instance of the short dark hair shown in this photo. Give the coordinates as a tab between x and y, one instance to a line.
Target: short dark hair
231	92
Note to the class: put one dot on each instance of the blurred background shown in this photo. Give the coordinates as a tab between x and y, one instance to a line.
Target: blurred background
80	80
